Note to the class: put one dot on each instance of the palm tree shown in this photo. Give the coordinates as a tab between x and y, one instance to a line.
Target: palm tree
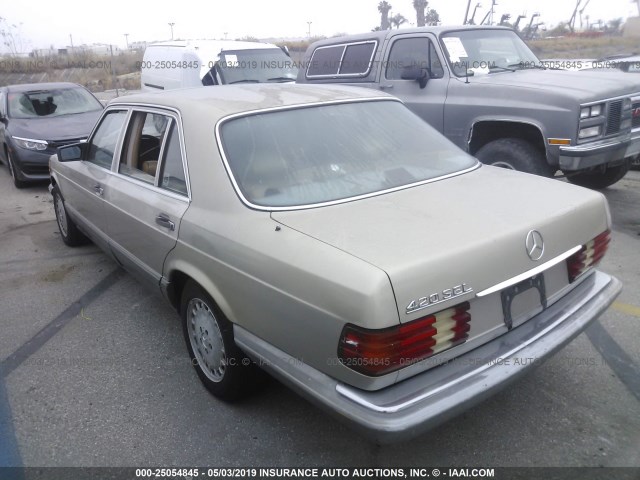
420	6
432	18
397	20
384	7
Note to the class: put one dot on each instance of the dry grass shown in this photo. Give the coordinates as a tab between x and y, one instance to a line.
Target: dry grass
577	47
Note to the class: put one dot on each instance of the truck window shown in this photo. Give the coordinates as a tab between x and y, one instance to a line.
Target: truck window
417	51
346	60
486	51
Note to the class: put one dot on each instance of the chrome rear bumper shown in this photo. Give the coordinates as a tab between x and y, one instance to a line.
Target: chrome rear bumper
419	403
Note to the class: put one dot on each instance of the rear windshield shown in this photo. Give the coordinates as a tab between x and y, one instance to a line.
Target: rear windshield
319	154
51	103
261	65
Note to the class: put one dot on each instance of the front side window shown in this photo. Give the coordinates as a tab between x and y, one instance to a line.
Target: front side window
487	51
313	155
142	146
51	102
413	52
103	144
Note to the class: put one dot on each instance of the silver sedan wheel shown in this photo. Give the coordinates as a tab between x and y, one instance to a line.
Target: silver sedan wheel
61	215
206	340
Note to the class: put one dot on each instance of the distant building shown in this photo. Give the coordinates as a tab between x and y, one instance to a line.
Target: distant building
101	49
141	46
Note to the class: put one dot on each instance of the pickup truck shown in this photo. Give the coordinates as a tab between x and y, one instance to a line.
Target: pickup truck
485	90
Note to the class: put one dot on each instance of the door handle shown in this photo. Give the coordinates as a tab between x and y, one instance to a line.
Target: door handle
386	87
164	221
98	189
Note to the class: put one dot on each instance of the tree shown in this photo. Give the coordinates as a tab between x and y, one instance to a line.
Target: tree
11	37
614	26
397	20
384	7
433	17
420	6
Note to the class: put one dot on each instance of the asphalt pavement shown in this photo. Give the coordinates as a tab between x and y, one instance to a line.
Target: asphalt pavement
95	373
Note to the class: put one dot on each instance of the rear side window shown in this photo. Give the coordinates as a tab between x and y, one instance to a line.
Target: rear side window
173	178
346	60
413	52
143	145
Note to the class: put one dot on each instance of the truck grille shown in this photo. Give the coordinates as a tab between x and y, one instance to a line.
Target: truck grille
635	112
614	118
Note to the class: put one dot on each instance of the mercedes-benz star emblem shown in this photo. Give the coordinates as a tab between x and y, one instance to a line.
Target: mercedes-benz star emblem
535	245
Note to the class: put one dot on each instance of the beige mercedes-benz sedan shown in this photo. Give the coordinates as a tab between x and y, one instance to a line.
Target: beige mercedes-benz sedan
329	236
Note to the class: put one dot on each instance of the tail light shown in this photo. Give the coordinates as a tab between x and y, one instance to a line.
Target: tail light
588	256
378	352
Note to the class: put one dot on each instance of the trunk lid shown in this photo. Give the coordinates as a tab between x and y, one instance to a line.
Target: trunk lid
468	231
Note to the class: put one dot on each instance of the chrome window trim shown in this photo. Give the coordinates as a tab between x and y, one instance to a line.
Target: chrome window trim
344	51
118	147
331	202
174	113
529	273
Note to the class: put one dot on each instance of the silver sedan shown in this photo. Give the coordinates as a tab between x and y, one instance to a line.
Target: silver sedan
327	235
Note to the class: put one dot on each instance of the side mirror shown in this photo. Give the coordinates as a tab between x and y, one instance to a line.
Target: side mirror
71	153
413	72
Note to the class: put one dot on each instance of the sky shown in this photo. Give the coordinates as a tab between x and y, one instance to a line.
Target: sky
41	24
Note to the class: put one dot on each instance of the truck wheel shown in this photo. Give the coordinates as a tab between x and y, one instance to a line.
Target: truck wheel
597	179
222	367
515	154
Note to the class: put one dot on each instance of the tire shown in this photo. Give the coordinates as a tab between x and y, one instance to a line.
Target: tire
515	154
13	171
67	227
221	366
597	179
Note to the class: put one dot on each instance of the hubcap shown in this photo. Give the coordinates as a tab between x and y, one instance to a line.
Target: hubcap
61	215
503	165
206	340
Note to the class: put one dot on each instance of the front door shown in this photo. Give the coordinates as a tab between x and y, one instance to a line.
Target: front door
417	51
85	182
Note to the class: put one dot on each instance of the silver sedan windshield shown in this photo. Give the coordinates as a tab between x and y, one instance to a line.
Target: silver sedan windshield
320	154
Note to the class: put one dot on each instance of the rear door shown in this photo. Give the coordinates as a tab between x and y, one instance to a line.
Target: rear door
149	194
420	51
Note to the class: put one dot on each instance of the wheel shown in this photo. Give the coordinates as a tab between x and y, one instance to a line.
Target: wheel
597	179
13	171
515	154
222	367
68	229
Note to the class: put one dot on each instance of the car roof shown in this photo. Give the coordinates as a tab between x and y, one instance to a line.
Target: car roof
216	102
212	48
28	87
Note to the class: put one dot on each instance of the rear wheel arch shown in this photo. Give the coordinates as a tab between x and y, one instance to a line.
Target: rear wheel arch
180	276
